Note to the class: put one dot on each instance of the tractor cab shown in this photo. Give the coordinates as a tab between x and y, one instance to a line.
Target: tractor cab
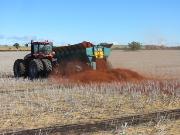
41	50
41	47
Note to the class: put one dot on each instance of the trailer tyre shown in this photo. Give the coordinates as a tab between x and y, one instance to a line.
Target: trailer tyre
19	68
47	67
35	69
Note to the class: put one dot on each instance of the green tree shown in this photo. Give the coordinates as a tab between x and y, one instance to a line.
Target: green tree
16	45
26	45
135	45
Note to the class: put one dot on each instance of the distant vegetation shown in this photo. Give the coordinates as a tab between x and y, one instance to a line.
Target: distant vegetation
161	47
131	46
134	46
14	47
138	46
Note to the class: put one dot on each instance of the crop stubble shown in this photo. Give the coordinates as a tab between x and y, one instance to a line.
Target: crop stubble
30	104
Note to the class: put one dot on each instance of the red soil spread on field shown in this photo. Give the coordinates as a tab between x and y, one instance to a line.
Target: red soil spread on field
106	76
102	74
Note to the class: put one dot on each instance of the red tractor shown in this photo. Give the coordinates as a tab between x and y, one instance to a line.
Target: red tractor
36	64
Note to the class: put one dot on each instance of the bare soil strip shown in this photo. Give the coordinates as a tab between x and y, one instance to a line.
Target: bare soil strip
104	125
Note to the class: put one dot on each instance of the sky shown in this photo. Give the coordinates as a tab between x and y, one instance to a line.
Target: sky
74	21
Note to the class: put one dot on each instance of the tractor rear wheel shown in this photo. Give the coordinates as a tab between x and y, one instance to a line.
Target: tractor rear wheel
19	68
47	67
35	69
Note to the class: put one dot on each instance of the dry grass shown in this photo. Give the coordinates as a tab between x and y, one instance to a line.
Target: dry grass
78	104
163	127
31	104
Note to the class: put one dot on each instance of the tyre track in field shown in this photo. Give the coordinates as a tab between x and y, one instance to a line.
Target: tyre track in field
103	125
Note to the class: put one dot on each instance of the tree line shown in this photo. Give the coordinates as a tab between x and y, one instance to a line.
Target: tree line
17	45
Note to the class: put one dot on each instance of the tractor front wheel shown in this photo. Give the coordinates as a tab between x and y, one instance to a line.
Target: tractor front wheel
35	69
47	67
19	68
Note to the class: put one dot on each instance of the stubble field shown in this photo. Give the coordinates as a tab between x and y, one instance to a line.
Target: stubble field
28	104
163	64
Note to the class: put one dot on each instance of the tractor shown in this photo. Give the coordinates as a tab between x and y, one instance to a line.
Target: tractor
44	58
36	64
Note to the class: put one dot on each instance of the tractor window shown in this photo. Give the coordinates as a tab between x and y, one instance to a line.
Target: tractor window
35	47
42	48
45	48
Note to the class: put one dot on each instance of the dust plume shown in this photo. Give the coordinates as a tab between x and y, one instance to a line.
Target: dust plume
104	73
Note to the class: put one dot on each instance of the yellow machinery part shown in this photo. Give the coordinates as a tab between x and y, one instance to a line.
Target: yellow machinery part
99	54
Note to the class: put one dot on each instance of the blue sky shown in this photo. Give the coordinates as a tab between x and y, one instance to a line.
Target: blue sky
73	21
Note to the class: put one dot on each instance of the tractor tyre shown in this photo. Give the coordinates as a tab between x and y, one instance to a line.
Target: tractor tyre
36	69
47	67
19	68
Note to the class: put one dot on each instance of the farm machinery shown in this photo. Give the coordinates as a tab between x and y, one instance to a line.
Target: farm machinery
44	58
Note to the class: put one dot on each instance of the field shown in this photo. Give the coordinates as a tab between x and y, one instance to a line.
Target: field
12	48
156	63
29	104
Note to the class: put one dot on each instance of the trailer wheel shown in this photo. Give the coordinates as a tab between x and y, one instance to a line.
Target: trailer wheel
19	68
47	67
35	69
